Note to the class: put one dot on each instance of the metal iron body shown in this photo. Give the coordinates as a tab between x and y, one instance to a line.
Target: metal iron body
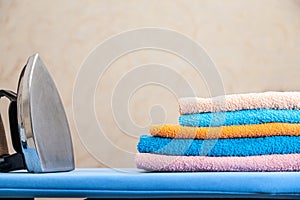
39	127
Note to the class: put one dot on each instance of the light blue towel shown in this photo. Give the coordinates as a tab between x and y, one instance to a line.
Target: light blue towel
240	117
220	147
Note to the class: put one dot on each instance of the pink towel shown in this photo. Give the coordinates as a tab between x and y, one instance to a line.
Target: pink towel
275	162
266	100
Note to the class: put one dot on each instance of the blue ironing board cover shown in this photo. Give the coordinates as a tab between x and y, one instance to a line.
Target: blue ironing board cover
133	183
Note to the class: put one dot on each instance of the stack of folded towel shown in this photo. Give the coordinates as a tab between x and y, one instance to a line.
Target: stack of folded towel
241	132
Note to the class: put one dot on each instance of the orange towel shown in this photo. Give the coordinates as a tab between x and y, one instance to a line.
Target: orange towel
253	130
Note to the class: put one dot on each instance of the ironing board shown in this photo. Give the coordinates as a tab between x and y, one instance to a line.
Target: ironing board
134	183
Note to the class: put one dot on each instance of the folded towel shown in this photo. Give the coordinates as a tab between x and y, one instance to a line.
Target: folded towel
271	100
240	117
254	130
153	162
220	147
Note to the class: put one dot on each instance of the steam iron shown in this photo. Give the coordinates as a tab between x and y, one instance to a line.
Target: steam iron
39	128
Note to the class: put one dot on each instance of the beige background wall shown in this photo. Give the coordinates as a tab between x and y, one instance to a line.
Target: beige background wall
255	45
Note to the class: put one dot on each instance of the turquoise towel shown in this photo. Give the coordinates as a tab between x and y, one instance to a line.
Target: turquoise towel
240	117
220	147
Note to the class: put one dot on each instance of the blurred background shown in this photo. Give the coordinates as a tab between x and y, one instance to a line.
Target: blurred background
255	45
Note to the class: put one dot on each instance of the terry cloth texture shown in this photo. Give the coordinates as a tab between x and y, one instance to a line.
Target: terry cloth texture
220	147
254	130
240	117
271	100
275	162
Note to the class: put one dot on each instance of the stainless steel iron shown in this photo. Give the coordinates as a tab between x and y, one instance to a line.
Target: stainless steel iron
39	127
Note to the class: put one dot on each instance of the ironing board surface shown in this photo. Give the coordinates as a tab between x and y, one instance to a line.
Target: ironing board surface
133	183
